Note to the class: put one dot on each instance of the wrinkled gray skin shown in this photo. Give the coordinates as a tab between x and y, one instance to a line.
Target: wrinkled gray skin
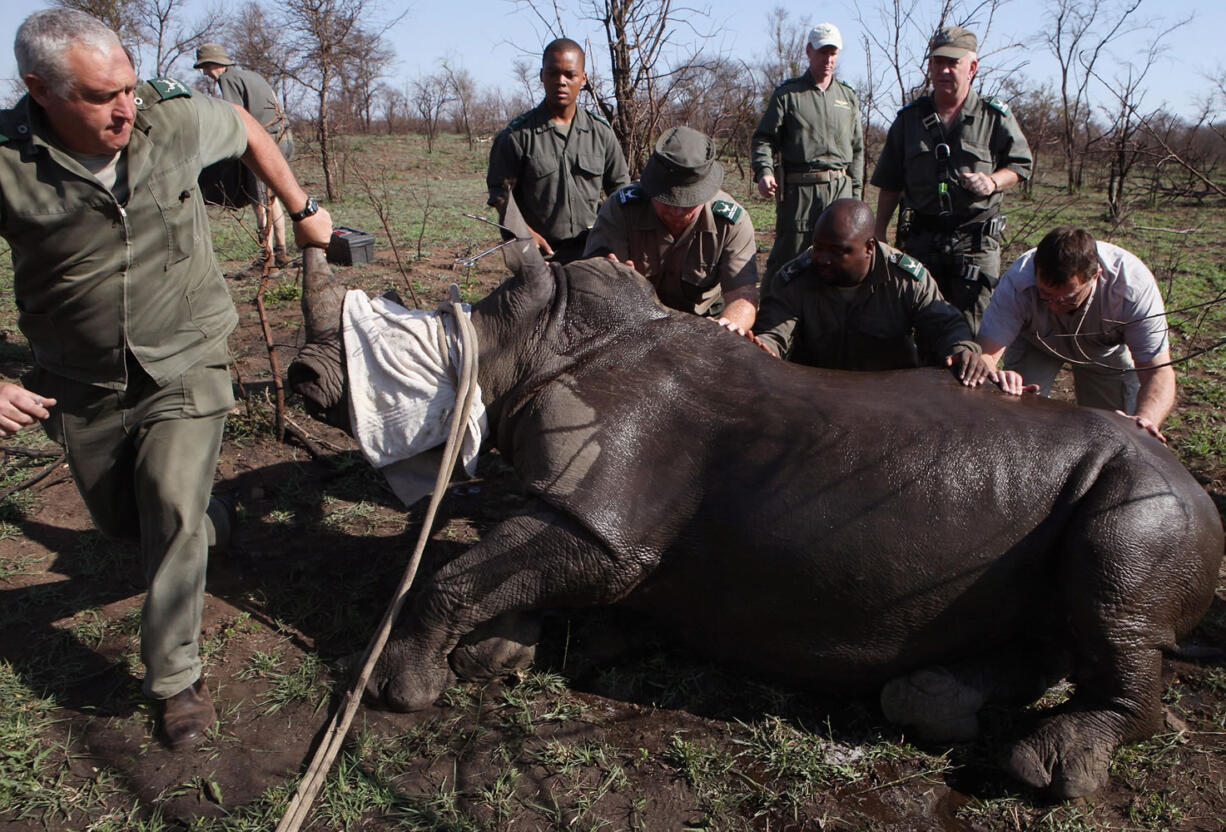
848	530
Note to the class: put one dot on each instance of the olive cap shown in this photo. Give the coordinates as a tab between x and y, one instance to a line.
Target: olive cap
211	53
952	42
682	171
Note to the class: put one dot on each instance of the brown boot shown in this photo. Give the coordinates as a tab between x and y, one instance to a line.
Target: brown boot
280	259
187	715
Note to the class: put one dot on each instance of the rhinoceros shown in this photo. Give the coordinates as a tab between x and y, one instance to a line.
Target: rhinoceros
853	531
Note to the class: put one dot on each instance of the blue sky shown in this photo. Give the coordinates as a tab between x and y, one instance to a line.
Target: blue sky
487	36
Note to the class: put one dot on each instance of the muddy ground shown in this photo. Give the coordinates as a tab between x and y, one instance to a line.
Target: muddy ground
615	729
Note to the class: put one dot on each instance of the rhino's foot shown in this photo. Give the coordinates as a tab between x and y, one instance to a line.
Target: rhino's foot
939	705
499	647
1068	755
408	686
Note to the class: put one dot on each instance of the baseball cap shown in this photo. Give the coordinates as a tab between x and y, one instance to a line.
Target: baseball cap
952	42
825	34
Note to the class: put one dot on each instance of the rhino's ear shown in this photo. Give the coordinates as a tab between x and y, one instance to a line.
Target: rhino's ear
522	256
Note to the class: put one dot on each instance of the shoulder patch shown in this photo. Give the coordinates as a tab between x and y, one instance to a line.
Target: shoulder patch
795	266
847	86
630	193
726	209
997	105
170	88
597	117
908	264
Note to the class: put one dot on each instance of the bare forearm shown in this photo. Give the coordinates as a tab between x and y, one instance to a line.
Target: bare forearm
741	307
1156	393
887	203
265	159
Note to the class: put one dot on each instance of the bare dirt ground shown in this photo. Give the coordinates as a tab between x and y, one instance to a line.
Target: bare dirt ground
597	737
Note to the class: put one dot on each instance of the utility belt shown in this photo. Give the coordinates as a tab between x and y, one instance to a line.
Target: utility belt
812	177
986	224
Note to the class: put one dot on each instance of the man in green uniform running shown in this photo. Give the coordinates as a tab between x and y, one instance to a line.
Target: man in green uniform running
127	312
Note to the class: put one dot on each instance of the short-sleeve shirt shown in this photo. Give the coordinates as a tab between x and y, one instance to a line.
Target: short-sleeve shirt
884	323
95	278
559	173
812	129
690	272
1124	311
985	137
250	91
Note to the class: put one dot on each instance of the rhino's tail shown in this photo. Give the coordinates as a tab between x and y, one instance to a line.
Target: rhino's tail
317	373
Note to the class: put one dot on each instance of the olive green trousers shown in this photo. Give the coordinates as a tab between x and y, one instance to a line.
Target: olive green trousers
144	459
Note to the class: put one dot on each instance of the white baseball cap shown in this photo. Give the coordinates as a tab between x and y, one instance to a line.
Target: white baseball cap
825	34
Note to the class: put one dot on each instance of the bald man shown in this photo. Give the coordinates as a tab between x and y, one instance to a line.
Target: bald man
851	302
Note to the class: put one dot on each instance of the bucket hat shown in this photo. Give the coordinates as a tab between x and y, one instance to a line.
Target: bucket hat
683	170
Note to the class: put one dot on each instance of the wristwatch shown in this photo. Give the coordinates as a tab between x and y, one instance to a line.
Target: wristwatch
308	210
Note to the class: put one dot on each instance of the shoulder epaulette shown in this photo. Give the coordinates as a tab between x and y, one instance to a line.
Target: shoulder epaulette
908	264
630	193
848	86
598	117
726	209
795	266
170	88
518	121
997	105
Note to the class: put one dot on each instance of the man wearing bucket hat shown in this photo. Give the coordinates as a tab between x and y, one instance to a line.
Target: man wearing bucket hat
678	229
813	123
557	158
250	91
948	158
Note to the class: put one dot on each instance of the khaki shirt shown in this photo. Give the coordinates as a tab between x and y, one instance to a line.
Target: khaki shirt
876	326
558	174
811	129
985	137
94	278
691	273
250	91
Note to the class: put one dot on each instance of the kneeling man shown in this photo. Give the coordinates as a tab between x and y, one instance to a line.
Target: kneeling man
1091	305
851	302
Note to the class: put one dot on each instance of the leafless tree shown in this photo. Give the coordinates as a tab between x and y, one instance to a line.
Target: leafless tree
1077	34
463	92
430	98
161	26
324	38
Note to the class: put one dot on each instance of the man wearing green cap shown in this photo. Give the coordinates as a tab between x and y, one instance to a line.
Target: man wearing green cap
127	313
678	229
557	158
948	158
250	91
813	123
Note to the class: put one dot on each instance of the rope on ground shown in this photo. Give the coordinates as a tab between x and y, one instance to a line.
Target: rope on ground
300	806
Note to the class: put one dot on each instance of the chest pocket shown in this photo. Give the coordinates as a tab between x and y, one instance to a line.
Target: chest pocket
882	328
588	165
976	156
175	193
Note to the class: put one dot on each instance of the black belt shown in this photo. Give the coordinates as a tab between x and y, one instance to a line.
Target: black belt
932	222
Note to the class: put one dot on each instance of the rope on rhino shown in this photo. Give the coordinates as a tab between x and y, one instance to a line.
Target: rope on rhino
300	806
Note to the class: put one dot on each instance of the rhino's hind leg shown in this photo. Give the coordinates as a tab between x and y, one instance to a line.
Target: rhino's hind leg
539	560
942	704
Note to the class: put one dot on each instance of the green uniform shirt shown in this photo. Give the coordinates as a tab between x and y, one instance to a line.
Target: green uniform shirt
558	175
876	326
985	137
250	91
690	272
811	129
94	278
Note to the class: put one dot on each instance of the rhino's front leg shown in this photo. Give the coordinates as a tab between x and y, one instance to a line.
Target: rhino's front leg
538	560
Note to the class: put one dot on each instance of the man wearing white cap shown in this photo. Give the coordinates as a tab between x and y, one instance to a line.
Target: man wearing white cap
813	123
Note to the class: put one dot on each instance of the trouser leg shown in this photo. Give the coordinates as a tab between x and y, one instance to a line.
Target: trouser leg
795	216
962	272
143	460
1109	388
1036	365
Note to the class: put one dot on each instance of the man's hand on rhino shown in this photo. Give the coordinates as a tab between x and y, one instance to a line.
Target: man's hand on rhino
541	243
315	230
629	264
1146	425
1010	382
19	408
971	368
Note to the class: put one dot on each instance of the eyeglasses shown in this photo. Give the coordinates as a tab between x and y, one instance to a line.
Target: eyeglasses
1070	301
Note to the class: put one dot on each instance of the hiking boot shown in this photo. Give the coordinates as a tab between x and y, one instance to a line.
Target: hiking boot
280	259
187	715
